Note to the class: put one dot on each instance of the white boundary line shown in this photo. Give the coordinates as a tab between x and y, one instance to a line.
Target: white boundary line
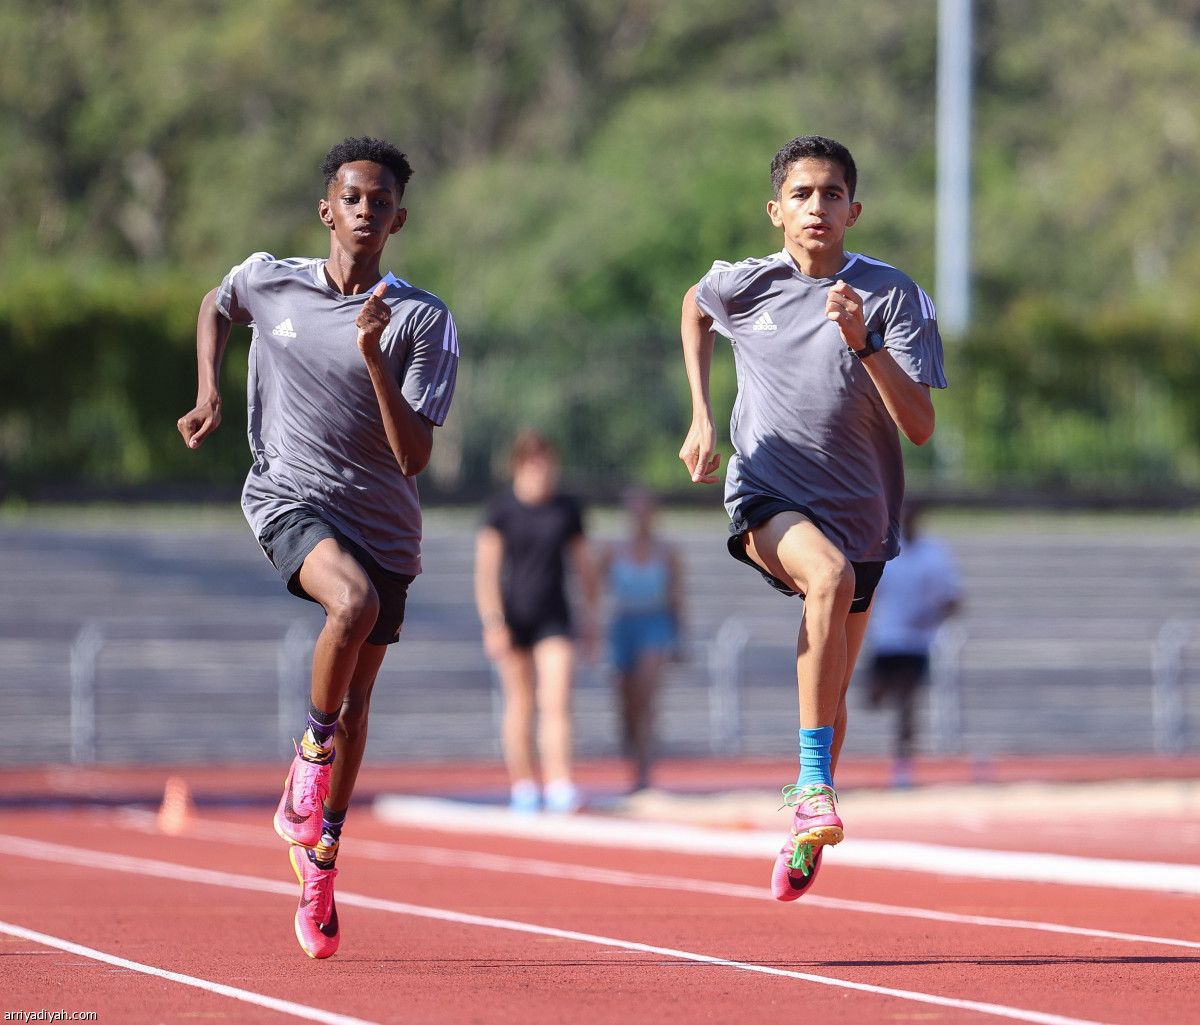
893	855
38	849
271	1003
219	831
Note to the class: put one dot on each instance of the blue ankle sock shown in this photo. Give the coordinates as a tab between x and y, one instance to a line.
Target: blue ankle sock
815	757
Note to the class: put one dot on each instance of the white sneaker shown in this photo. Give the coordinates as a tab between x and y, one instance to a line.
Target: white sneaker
561	797
524	799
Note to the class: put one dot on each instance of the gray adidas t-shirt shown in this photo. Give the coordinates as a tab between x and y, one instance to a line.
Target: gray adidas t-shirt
808	425
316	432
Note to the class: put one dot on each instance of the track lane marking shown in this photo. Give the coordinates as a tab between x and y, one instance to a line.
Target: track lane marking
972	862
221	831
246	996
40	849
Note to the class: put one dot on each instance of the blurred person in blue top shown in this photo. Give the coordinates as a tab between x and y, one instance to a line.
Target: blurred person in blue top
920	589
642	576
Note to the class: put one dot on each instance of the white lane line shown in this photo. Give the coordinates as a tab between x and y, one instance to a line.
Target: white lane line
218	831
895	856
20	846
246	996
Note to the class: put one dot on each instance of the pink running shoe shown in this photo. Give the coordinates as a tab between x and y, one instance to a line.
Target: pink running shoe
316	917
795	870
814	825
298	817
815	821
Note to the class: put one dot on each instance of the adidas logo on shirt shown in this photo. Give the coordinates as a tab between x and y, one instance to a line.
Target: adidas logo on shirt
285	330
765	323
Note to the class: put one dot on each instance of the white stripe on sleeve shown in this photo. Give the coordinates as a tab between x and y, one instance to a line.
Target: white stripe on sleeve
926	305
450	338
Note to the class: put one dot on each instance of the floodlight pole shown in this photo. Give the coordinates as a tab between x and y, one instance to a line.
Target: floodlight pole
953	275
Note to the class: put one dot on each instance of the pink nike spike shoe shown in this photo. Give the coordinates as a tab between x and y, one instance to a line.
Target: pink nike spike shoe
815	821
298	817
316	917
796	869
815	825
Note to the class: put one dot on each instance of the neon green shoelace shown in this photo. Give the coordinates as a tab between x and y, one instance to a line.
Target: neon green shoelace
803	858
794	794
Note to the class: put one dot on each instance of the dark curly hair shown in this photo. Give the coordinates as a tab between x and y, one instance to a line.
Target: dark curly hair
349	151
820	148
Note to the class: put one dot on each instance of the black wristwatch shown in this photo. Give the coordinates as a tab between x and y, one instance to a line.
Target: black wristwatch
874	344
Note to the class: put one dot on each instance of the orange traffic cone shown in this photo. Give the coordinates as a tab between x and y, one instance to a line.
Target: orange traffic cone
175	814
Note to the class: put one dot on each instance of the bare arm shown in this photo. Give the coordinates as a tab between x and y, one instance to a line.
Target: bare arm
584	565
489	556
212	334
675	593
602	561
409	434
907	401
699	453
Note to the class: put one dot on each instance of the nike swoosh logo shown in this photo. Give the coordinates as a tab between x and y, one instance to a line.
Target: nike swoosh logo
289	811
330	928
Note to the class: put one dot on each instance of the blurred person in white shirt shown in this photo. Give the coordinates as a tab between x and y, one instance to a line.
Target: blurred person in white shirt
920	589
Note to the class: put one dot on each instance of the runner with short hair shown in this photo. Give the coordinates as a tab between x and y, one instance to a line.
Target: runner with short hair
349	372
834	352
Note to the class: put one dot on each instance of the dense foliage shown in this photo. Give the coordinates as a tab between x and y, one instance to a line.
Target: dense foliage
578	165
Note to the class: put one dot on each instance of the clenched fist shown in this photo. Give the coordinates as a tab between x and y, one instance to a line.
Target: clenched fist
372	319
844	307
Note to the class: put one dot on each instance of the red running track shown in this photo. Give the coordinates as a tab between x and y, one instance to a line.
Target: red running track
446	928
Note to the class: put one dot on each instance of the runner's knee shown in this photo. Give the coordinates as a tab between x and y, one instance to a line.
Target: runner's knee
554	701
353	609
831	583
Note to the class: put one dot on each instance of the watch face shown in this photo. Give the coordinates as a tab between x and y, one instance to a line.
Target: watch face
872	344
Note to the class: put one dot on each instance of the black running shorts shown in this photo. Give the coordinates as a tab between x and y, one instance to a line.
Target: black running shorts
290	538
755	511
527	634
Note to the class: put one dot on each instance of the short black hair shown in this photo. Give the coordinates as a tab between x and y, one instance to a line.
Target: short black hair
350	151
817	147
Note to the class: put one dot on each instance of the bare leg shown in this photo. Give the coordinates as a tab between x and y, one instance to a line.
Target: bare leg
906	713
516	725
555	661
856	629
790	547
639	711
335	579
626	692
351	740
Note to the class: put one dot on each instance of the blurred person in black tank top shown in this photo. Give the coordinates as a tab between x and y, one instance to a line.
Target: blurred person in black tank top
530	535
